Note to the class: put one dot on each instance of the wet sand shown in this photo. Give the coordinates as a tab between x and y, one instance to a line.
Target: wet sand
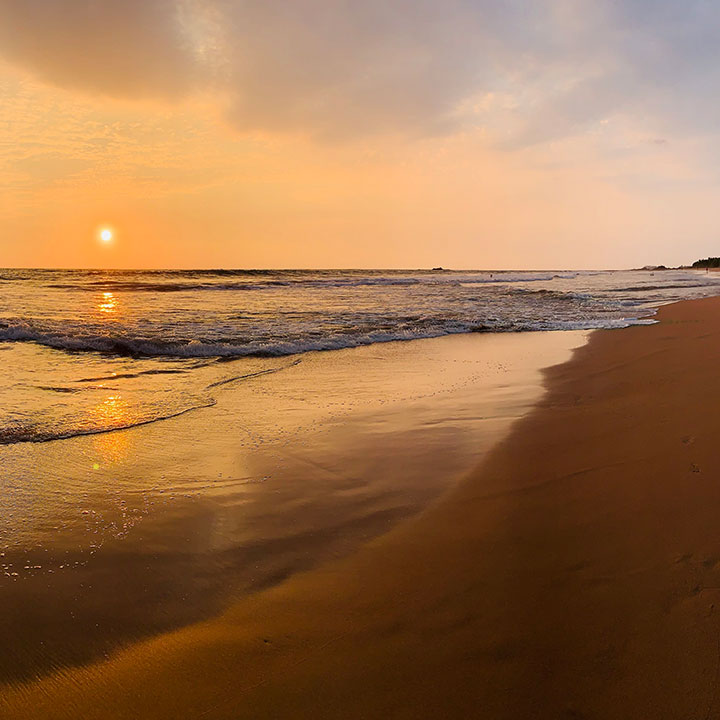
575	574
111	538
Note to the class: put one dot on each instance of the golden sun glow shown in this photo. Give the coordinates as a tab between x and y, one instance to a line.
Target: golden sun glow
106	235
108	304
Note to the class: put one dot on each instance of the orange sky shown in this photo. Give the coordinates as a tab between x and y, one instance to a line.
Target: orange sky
322	134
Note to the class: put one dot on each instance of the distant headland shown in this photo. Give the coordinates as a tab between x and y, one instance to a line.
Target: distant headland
710	262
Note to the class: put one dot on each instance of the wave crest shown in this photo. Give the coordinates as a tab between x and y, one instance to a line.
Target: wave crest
419	329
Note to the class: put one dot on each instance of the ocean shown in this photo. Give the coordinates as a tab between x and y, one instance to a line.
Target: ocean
89	351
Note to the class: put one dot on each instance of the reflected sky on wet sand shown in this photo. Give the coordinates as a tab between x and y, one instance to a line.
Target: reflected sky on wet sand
111	537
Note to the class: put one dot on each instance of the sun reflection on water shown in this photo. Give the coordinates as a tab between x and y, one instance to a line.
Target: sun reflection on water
112	447
108	303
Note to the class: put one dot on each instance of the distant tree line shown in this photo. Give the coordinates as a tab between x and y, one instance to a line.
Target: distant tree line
707	263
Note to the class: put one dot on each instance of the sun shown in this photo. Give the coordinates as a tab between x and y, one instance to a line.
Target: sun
106	235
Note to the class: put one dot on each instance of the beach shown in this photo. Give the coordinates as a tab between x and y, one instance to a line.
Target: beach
359	360
573	574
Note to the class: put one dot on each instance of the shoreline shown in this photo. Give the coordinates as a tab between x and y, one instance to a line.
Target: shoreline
574	574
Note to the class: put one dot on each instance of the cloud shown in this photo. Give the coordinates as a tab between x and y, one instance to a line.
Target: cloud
346	68
655	61
337	68
322	67
123	48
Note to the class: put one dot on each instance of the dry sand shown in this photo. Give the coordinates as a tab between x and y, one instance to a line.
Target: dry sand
576	574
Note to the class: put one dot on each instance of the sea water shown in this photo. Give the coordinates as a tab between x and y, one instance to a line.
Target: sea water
86	351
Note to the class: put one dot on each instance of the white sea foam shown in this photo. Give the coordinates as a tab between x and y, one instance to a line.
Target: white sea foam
138	347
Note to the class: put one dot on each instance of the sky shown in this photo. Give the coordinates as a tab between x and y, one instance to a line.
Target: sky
359	133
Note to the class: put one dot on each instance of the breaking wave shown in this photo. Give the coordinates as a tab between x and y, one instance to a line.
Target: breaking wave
195	348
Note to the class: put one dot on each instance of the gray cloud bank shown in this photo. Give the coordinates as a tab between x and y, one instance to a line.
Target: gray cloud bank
354	67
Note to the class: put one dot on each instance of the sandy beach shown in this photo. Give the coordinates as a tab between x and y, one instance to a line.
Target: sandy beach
359	360
575	574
